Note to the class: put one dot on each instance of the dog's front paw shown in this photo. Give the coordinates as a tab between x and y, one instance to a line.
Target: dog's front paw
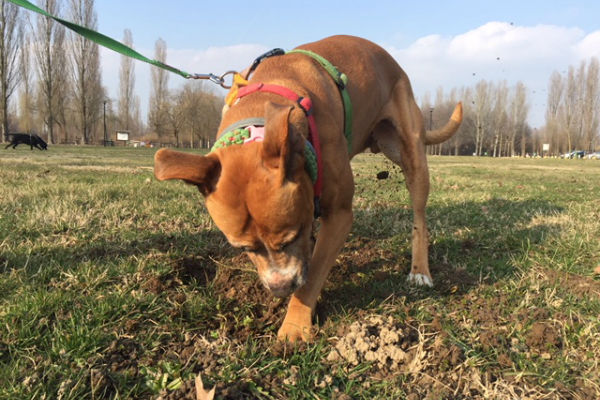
420	280
296	325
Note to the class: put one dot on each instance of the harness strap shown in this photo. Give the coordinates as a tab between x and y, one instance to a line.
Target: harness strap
341	81
258	60
306	105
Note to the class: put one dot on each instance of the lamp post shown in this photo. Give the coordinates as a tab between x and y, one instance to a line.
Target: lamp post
431	118
432	150
105	132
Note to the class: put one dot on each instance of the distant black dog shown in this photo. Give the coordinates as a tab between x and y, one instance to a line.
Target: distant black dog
26	138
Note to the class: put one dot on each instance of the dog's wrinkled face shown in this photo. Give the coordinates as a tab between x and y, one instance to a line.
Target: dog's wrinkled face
269	220
259	196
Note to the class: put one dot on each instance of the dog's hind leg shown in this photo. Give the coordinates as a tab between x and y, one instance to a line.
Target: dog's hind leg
399	135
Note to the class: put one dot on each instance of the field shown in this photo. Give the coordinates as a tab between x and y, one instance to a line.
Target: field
114	285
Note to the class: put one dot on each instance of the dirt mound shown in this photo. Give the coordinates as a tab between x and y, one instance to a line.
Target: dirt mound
379	340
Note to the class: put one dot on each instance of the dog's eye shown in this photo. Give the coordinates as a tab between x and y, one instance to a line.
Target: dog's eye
282	246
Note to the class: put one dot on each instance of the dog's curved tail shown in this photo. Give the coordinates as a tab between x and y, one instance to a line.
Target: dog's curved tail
444	133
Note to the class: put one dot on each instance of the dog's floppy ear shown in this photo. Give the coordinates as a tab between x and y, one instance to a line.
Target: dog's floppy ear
283	144
202	171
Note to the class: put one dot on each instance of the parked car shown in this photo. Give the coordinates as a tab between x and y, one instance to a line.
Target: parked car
594	156
573	154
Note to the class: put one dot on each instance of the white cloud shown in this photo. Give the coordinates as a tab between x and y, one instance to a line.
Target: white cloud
589	46
497	51
509	42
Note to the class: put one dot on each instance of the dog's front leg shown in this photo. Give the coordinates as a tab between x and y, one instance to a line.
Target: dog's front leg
298	319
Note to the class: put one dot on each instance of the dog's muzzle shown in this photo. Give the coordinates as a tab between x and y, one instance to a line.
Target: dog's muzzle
284	283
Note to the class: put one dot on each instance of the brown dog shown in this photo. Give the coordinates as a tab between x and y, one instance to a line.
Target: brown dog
260	195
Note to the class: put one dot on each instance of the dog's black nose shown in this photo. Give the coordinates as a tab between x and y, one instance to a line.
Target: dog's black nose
282	288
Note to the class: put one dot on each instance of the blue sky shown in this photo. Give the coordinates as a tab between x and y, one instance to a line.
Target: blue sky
438	43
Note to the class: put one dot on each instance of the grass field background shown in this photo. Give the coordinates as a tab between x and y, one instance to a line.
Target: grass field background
114	285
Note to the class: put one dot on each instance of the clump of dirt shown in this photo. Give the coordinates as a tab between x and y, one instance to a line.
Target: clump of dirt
154	285
123	354
122	358
379	340
543	336
383	174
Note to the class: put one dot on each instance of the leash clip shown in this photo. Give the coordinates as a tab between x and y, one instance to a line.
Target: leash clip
211	77
219	80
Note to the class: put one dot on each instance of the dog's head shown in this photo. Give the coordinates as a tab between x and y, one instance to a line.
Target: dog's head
41	143
259	195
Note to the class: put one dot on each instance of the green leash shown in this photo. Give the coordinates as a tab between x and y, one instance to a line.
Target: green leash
117	46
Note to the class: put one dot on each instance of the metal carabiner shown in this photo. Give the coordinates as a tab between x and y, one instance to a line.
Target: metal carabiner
222	78
219	80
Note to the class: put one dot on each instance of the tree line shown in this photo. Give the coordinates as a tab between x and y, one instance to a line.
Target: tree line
51	85
494	119
495	116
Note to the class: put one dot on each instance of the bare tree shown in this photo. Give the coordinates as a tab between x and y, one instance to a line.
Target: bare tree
85	59
553	108
210	110
591	105
499	117
570	107
482	108
519	109
11	33
159	97
127	98
51	64
26	108
462	140
438	115
522	107
195	112
177	111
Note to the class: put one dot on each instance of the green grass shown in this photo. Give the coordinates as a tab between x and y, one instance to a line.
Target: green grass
114	285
